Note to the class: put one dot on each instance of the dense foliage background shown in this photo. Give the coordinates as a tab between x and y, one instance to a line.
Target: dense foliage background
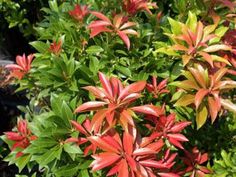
123	88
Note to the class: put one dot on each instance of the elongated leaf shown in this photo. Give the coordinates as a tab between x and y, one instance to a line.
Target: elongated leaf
199	97
149	110
201	116
100	16
124	38
103	144
212	104
132	88
94	49
192	21
67	114
67	170
90	105
217	47
227	104
73	149
49	156
40	46
103	160
185	100
22	161
105	83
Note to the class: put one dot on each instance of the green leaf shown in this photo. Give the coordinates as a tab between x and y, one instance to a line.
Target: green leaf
72	148
219	32
176	71
67	114
22	161
95	49
201	116
123	70
176	27
226	158
49	156
67	170
40	46
34	149
84	173
85	164
192	21
53	5
56	104
44	142
94	64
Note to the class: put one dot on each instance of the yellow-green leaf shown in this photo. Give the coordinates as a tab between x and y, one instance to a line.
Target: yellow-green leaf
185	100
201	116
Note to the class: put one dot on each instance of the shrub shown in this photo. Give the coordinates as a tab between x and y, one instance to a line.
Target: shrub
128	88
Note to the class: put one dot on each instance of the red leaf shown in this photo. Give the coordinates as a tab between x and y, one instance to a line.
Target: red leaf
156	146
124	38
22	127
98	23
212	108
98	93
132	88
128	143
89	106
117	20
143	151
179	126
113	170
110	140
105	84
130	31
79	127
96	122
178	137
199	32
104	145
168	175
126	119
207	57
175	143
14	136
98	30
131	97
204	158
127	25
103	160
148	109
13	67
123	169
152	163
100	16
116	86
199	96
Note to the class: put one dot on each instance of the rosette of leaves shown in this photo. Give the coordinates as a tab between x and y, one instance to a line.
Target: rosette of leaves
226	166
195	42
204	91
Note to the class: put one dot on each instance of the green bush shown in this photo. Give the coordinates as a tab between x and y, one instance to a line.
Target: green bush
128	88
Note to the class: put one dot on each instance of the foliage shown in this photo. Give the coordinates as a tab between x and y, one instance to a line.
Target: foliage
128	88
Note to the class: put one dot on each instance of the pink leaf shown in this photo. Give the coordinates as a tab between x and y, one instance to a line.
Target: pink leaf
199	97
91	105
125	38
103	160
101	16
105	84
132	88
104	145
